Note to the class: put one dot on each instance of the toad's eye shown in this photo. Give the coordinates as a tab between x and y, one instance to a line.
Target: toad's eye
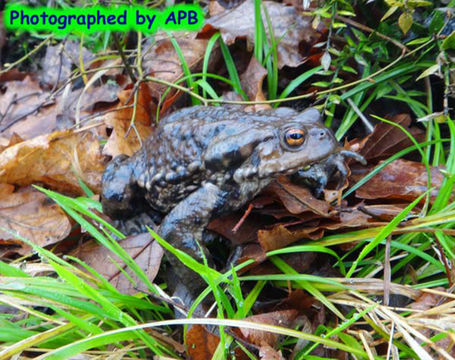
294	137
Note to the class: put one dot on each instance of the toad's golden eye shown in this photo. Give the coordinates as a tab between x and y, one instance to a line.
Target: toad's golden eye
294	137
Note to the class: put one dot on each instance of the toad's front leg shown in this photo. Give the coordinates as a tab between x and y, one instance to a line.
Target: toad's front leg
184	226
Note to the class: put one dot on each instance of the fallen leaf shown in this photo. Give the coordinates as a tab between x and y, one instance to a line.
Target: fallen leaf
161	60
251	81
279	236
15	139
402	179
21	100
201	343
28	111
266	352
288	25
57	160
298	199
146	252
32	215
284	318
58	63
125	139
428	300
386	139
246	233
215	8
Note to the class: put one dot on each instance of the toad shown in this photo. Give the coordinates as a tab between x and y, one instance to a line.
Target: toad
202	162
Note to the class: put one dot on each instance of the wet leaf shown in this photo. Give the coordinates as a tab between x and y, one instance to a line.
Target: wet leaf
32	215
21	102
30	111
161	60
58	63
298	199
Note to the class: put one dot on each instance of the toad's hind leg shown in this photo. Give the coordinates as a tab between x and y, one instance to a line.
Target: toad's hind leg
183	228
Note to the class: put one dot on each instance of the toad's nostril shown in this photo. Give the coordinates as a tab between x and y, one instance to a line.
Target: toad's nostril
319	134
322	134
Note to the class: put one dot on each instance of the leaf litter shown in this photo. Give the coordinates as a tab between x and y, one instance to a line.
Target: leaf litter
39	144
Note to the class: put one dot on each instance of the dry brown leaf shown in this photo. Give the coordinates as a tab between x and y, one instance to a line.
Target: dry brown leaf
146	252
201	343
29	111
279	236
57	160
386	139
32	215
13	74
21	102
266	352
5	143
124	139
284	318
59	60
288	26
161	60
428	300
252	80
298	199
402	179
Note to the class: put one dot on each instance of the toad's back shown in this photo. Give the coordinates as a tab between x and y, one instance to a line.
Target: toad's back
200	144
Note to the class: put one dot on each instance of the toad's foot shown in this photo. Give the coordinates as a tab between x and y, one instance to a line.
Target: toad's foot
318	175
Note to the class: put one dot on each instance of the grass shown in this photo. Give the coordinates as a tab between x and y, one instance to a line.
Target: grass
90	315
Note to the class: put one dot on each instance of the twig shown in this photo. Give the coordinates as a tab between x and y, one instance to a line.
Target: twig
197	96
26	56
46	102
124	59
360	115
243	218
370	30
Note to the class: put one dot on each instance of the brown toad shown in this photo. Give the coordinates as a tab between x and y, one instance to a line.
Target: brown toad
202	162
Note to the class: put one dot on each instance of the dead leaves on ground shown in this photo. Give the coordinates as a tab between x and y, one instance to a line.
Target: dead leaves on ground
57	160
294	214
33	216
39	144
40	112
289	26
145	251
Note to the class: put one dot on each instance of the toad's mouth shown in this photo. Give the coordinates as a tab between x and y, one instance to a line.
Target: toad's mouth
335	161
317	175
